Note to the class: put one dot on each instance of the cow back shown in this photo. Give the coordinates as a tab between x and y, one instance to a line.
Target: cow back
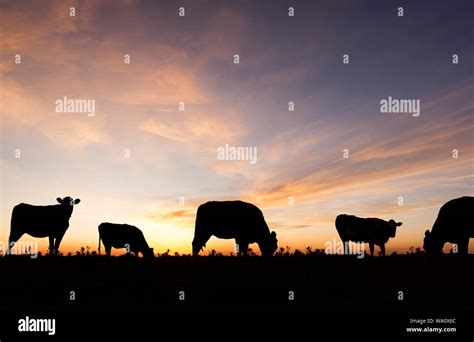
118	235
231	219
455	219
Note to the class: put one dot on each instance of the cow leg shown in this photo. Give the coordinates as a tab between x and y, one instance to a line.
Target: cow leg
371	246
57	242
463	246
243	247
345	247
199	242
51	245
108	249
14	237
382	249
238	247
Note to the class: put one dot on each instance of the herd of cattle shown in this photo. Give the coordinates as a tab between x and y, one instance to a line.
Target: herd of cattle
243	222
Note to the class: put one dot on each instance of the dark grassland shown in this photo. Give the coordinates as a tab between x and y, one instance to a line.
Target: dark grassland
320	283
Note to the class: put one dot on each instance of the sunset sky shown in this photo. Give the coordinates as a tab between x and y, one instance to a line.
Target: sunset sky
173	153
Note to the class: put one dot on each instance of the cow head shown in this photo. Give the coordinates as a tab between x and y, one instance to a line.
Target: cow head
148	253
431	245
393	227
68	201
269	246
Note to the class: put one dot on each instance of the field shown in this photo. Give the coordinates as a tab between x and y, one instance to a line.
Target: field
322	284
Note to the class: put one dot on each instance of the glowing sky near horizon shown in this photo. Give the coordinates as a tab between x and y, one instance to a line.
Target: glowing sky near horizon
173	154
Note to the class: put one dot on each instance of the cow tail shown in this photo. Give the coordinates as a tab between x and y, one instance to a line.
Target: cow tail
99	244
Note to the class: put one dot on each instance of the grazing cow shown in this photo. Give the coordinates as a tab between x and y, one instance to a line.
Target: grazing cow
237	220
375	231
123	236
42	221
454	224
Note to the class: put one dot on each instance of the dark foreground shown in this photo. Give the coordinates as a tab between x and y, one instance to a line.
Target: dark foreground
339	290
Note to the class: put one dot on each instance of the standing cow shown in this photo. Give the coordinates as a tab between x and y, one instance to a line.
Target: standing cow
375	231
123	236
42	221
237	220
454	224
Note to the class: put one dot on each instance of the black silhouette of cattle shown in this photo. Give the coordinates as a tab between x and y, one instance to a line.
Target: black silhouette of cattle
123	236
375	231
454	224
237	220
42	221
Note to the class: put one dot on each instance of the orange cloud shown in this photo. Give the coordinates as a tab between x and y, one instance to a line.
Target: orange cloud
173	215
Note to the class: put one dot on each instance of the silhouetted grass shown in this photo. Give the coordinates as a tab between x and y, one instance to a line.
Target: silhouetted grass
321	282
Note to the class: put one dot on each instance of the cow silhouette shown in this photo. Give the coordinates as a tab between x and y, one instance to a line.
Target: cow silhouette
375	231
237	220
454	224
123	236
42	221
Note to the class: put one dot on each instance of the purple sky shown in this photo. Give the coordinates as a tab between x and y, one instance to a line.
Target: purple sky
173	154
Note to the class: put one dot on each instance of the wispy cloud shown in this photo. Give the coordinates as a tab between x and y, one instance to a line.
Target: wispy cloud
173	153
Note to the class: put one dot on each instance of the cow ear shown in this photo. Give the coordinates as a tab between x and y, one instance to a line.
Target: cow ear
399	224
77	201
59	200
273	234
